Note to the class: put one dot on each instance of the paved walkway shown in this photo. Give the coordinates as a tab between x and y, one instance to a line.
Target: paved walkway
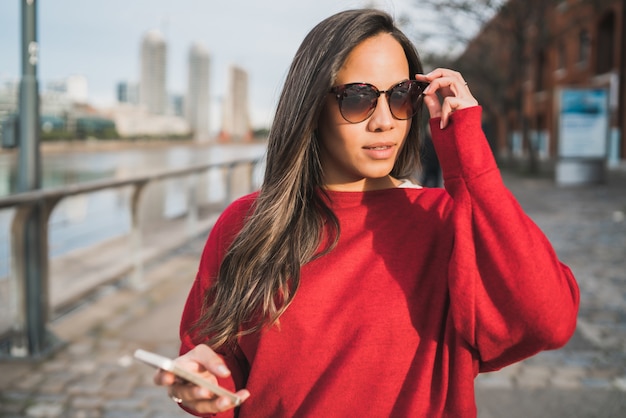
587	378
94	375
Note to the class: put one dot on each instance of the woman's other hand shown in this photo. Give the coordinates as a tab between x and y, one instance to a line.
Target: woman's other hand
205	362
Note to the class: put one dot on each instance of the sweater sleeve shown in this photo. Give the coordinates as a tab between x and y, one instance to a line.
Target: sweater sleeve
510	295
222	234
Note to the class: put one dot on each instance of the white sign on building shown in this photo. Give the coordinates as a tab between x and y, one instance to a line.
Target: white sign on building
583	117
583	123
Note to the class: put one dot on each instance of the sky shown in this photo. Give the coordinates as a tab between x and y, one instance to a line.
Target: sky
101	40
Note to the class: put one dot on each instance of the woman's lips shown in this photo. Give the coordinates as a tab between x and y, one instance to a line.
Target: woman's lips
380	151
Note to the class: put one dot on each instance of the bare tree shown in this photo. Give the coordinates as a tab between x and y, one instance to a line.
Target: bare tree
454	23
493	36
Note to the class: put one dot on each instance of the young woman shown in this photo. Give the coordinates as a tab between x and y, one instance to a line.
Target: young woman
343	289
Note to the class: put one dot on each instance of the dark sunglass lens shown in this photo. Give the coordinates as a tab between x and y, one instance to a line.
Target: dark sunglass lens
357	102
404	99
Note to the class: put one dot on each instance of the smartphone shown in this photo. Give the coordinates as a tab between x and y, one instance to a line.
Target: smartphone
167	364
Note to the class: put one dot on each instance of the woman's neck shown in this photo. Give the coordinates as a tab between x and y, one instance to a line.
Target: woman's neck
365	185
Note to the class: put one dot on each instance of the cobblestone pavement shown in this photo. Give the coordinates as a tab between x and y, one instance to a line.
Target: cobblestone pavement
586	378
94	375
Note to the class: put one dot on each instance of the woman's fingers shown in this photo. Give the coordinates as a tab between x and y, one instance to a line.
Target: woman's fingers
203	400
432	104
163	378
451	87
450	104
204	361
201	359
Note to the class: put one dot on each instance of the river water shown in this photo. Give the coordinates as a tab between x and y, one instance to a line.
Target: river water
83	220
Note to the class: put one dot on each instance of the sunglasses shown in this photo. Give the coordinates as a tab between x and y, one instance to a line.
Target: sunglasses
357	101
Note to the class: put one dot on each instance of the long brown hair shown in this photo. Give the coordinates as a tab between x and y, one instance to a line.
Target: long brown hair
260	272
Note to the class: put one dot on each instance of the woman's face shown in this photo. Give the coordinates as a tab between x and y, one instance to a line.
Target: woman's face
360	156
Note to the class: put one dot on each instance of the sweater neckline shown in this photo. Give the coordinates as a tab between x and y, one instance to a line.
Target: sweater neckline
337	197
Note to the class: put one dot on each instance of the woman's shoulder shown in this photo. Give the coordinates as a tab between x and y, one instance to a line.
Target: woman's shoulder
233	216
243	203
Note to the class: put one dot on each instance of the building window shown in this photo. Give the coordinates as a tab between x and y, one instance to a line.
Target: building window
604	58
584	46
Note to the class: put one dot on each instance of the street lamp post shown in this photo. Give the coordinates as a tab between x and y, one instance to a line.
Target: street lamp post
31	339
29	177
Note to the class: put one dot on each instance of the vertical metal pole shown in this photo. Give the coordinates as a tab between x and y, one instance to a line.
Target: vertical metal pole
29	178
621	151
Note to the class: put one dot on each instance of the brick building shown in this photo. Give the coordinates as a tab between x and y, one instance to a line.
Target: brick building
531	51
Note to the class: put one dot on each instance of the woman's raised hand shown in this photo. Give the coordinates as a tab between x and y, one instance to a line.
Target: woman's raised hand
453	90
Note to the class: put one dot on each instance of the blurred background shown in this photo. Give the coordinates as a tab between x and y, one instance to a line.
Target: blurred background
127	126
155	69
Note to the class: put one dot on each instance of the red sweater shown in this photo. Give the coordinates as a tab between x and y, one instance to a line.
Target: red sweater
425	289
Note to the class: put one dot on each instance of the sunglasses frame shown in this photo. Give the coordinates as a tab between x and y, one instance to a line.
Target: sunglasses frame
340	90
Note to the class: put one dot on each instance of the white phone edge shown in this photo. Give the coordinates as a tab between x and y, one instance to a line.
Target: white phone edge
167	364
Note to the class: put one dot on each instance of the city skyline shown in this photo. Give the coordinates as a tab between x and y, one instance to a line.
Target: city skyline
197	109
146	107
100	41
235	122
153	80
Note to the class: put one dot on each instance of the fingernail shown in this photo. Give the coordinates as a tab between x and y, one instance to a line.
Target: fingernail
224	402
203	393
223	370
441	124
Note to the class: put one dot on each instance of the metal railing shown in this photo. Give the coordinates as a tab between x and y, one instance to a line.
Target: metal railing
26	335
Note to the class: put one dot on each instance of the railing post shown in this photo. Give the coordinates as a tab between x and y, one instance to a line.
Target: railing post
248	169
252	167
192	204
19	340
30	337
136	239
242	178
230	175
